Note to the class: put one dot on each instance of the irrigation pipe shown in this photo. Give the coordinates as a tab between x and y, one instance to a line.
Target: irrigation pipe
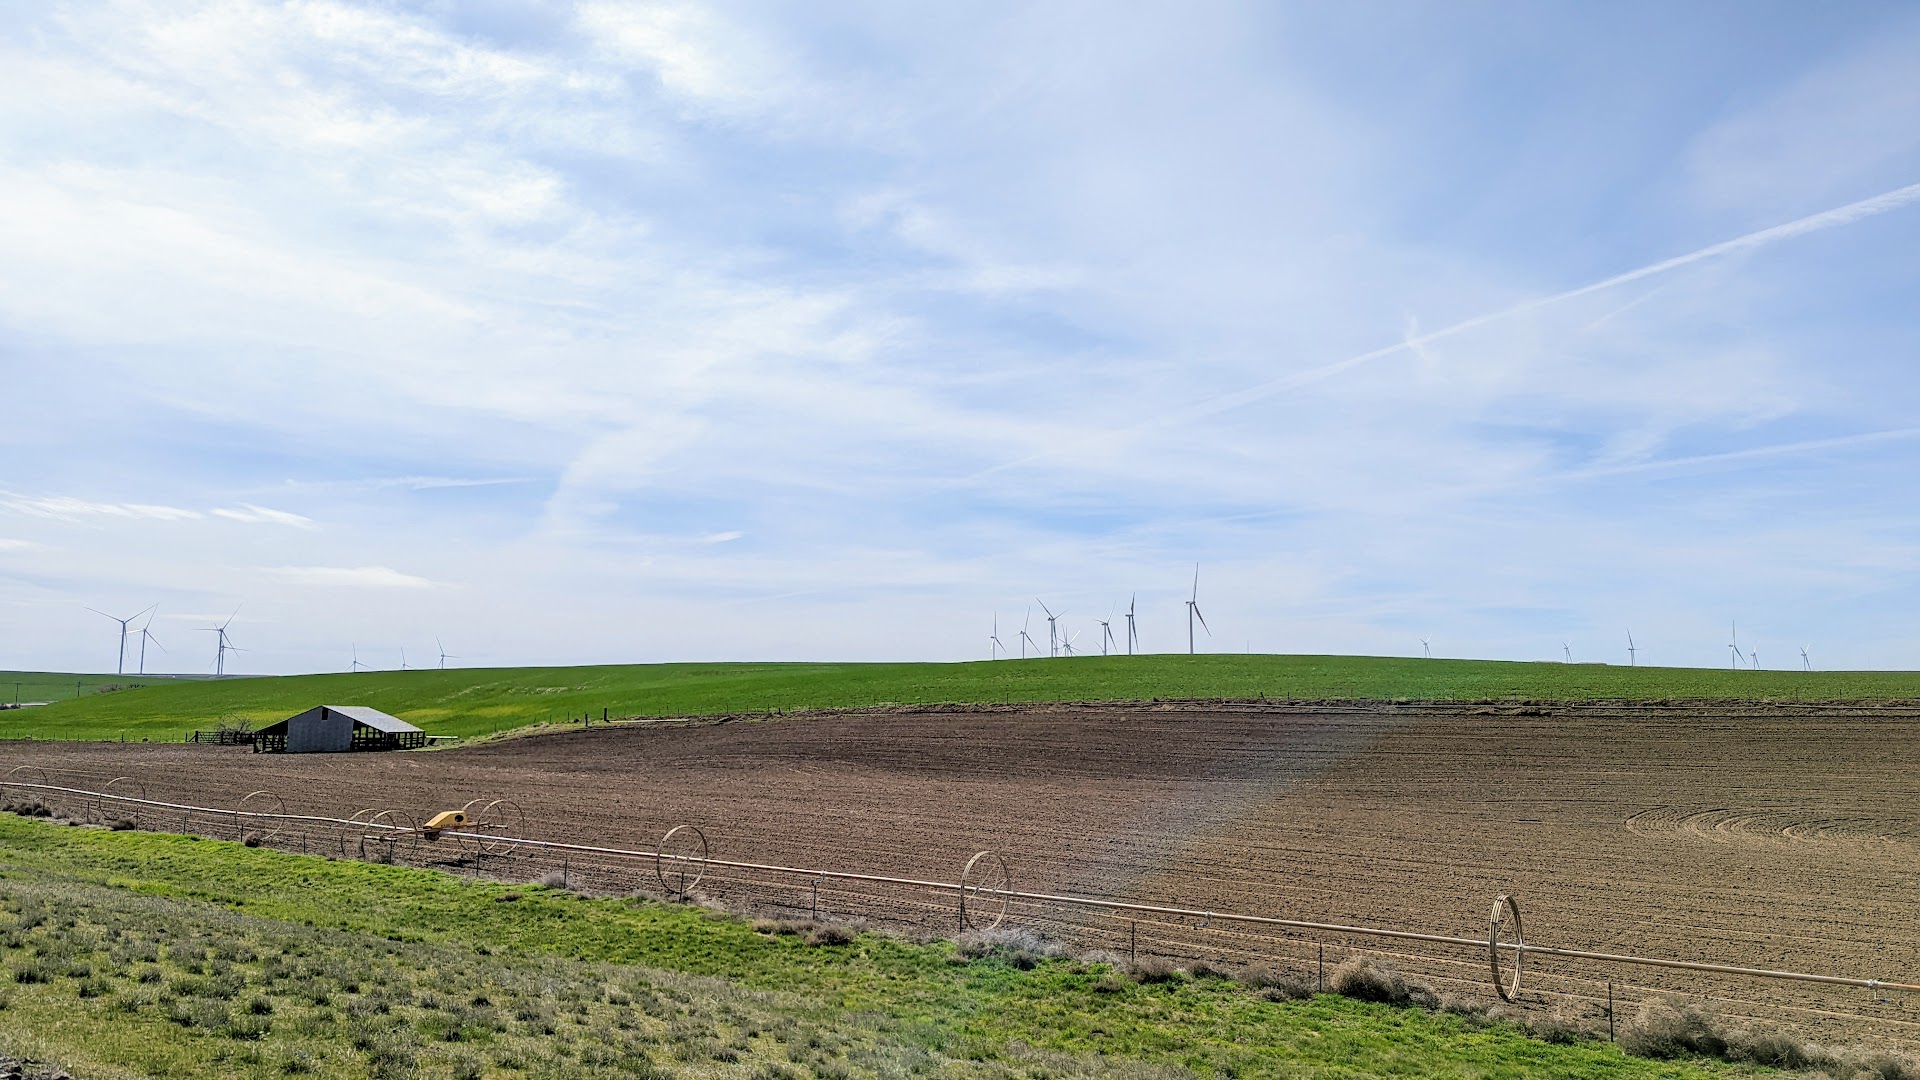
1517	948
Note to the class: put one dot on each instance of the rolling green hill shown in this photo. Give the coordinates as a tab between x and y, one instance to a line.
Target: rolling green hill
470	702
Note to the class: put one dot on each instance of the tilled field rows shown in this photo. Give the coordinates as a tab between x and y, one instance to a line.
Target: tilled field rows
1766	837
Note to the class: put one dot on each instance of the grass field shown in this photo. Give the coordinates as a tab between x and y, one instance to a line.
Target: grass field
138	954
470	702
24	686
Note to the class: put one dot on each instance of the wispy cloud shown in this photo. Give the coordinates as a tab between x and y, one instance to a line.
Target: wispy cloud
350	577
68	508
261	515
10	544
403	483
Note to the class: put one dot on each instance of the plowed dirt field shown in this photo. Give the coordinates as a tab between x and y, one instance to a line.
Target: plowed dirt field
1764	836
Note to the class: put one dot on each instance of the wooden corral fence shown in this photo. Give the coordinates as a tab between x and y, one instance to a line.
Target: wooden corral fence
983	899
222	737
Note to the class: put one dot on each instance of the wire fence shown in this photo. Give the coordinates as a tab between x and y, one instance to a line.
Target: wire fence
983	898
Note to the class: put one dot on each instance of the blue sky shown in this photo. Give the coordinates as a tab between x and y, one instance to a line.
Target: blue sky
632	332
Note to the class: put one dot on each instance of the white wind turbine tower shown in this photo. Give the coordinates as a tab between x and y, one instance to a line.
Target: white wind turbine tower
1426	650
1026	639
120	667
1734	645
146	635
1066	644
357	665
1568	650
1806	664
444	654
225	644
1106	633
994	647
1053	628
1133	634
403	659
1193	610
1756	659
1633	658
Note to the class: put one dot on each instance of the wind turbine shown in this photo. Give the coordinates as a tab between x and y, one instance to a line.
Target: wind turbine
357	665
225	644
1633	659
1067	643
1026	639
403	659
1193	610
444	655
146	635
1106	633
1735	644
120	668
1805	663
1133	634
1426	650
994	647
1756	659
1568	650
1053	628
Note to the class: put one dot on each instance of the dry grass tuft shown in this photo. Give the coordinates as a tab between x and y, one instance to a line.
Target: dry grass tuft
1365	979
1664	1030
1153	969
1274	984
1020	947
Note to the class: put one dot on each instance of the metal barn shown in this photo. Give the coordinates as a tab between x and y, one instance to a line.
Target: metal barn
326	729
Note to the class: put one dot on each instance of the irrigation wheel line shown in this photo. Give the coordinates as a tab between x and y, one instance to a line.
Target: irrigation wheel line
1004	890
705	860
1505	906
385	829
279	811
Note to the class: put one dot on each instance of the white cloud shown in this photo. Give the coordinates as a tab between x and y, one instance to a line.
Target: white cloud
722	537
368	577
260	515
68	508
10	544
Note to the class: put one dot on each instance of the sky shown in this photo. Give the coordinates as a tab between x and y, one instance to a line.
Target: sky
634	332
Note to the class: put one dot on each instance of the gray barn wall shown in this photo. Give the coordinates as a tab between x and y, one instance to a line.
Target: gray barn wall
319	730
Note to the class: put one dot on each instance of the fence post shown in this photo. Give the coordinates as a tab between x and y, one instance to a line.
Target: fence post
1132	927
1322	977
1610	1037
814	906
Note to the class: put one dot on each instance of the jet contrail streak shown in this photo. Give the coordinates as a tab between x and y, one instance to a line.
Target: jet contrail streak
1826	219
1778	450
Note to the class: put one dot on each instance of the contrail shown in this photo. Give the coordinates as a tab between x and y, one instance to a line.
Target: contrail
1826	219
1777	450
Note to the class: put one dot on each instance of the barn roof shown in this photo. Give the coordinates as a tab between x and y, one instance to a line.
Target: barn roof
374	718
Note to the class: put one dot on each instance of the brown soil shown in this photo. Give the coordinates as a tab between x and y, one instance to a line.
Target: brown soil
1760	836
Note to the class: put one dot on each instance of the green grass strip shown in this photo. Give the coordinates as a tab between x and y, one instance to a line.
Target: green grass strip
166	955
473	702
